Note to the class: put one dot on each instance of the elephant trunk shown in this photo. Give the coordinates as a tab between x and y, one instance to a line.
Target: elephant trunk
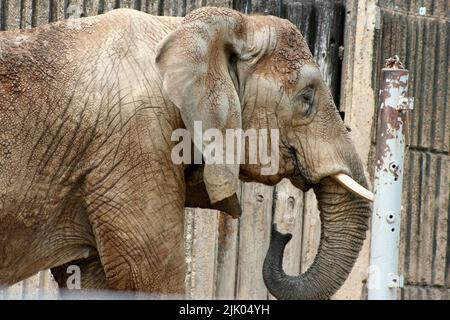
344	218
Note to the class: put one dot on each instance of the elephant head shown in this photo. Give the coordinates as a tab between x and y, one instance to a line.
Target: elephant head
235	71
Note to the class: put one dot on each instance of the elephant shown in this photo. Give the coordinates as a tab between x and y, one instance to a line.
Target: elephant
87	112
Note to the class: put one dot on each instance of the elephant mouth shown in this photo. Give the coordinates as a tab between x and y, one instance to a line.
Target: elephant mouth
339	176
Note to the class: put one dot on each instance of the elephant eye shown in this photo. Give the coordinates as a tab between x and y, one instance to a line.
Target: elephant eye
307	95
306	98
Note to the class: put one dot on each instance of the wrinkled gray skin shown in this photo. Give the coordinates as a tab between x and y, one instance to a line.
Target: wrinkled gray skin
87	109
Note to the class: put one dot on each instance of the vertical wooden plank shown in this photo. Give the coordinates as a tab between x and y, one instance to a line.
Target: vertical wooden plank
405	293
440	199
425	222
300	14
56	10
357	94
440	126
174	8
413	293
107	5
414	212
405	235
414	6
227	257
31	288
444	216
288	206
192	5
48	288
220	3
127	4
244	6
39	286
268	7
383	3
74	9
118	4
422	293
9	14
428	65
138	5
441	8
14	292
311	230
4	6
90	8
411	47
417	74
402	34
416	229
254	237
402	5
434	293
25	14
405	218
40	12
428	5
151	6
186	6
201	249
377	65
329	23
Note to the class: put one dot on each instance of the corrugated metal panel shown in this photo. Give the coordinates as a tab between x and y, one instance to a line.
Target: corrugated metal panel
418	31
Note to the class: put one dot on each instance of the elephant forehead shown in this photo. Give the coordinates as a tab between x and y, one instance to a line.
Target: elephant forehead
219	16
290	54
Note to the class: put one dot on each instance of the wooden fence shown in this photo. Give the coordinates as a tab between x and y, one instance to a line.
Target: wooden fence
224	256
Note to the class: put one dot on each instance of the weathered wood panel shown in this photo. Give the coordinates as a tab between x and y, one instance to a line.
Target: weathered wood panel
227	257
418	31
288	209
433	8
265	7
425	293
201	251
40	286
254	237
358	105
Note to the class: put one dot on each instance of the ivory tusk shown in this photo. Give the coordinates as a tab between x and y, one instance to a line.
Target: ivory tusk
351	185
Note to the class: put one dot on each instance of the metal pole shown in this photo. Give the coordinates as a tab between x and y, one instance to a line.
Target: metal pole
388	180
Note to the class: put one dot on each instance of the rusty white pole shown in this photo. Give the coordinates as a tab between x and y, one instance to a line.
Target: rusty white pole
385	229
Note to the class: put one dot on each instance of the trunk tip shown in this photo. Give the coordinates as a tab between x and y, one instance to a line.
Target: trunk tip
280	237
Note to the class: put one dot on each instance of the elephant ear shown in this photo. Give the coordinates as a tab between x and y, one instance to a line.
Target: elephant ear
194	64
